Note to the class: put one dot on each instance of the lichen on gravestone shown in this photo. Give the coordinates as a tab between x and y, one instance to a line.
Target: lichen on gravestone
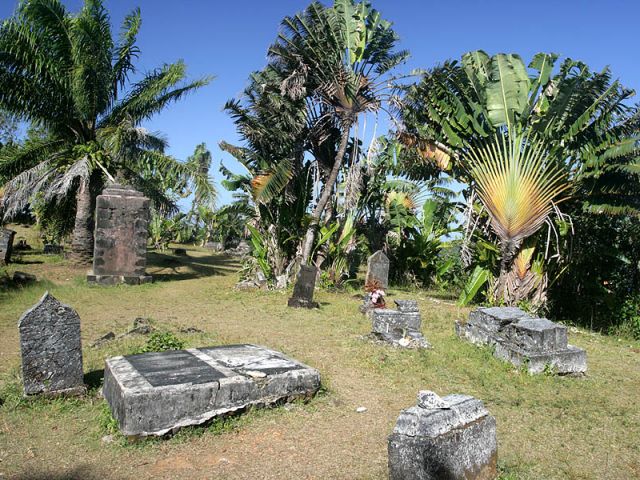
51	349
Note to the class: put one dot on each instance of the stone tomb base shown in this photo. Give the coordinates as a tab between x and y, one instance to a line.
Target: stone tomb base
118	279
519	338
155	393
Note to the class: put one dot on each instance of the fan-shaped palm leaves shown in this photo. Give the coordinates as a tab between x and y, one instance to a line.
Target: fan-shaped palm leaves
519	186
65	73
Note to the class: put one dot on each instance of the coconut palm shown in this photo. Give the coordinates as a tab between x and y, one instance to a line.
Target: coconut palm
65	73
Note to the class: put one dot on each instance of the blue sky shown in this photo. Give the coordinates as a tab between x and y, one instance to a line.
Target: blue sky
230	39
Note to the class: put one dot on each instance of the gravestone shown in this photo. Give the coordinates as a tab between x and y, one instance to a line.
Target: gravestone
401	327
523	340
6	245
157	393
120	252
378	269
51	349
451	438
304	288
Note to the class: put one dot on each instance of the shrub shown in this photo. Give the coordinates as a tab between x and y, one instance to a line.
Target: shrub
162	341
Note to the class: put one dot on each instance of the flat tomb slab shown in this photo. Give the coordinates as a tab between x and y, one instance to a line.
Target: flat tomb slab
154	393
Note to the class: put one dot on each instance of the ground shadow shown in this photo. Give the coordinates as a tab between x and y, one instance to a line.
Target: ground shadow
93	380
82	472
185	267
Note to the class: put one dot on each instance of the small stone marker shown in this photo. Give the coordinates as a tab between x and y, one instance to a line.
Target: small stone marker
378	270
451	438
6	245
521	339
304	287
155	393
51	349
399	327
120	253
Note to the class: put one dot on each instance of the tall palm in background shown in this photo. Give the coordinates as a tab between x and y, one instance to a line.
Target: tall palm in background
336	59
66	73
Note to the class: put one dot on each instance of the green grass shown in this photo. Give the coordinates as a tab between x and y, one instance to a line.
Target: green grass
548	427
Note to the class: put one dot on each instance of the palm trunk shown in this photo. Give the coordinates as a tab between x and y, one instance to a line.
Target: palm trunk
325	195
508	252
82	241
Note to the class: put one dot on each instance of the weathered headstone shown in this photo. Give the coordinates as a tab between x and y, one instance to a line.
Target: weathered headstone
6	245
120	252
155	393
452	438
51	349
378	269
399	327
304	288
522	339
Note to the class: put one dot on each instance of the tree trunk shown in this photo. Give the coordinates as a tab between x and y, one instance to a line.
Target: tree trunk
82	241
508	252
325	195
322	253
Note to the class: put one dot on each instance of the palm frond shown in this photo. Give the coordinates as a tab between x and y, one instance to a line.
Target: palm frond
516	183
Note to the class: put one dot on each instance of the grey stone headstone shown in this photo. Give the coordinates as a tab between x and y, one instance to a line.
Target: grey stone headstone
120	252
155	393
6	245
51	348
452	438
378	269
521	339
304	288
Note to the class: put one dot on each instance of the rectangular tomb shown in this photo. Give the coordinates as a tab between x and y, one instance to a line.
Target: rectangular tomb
517	337
154	393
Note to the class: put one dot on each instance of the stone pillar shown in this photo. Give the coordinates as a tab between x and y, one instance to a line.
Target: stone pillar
450	438
6	245
51	349
120	252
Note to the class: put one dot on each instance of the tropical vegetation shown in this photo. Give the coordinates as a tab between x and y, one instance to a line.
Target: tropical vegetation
65	73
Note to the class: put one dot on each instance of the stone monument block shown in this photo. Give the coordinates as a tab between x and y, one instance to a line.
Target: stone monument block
6	245
157	393
120	252
450	438
521	339
304	287
399	327
51	349
378	269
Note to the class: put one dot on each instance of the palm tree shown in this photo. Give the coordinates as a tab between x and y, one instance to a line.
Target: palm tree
578	121
66	73
336	59
519	188
200	162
